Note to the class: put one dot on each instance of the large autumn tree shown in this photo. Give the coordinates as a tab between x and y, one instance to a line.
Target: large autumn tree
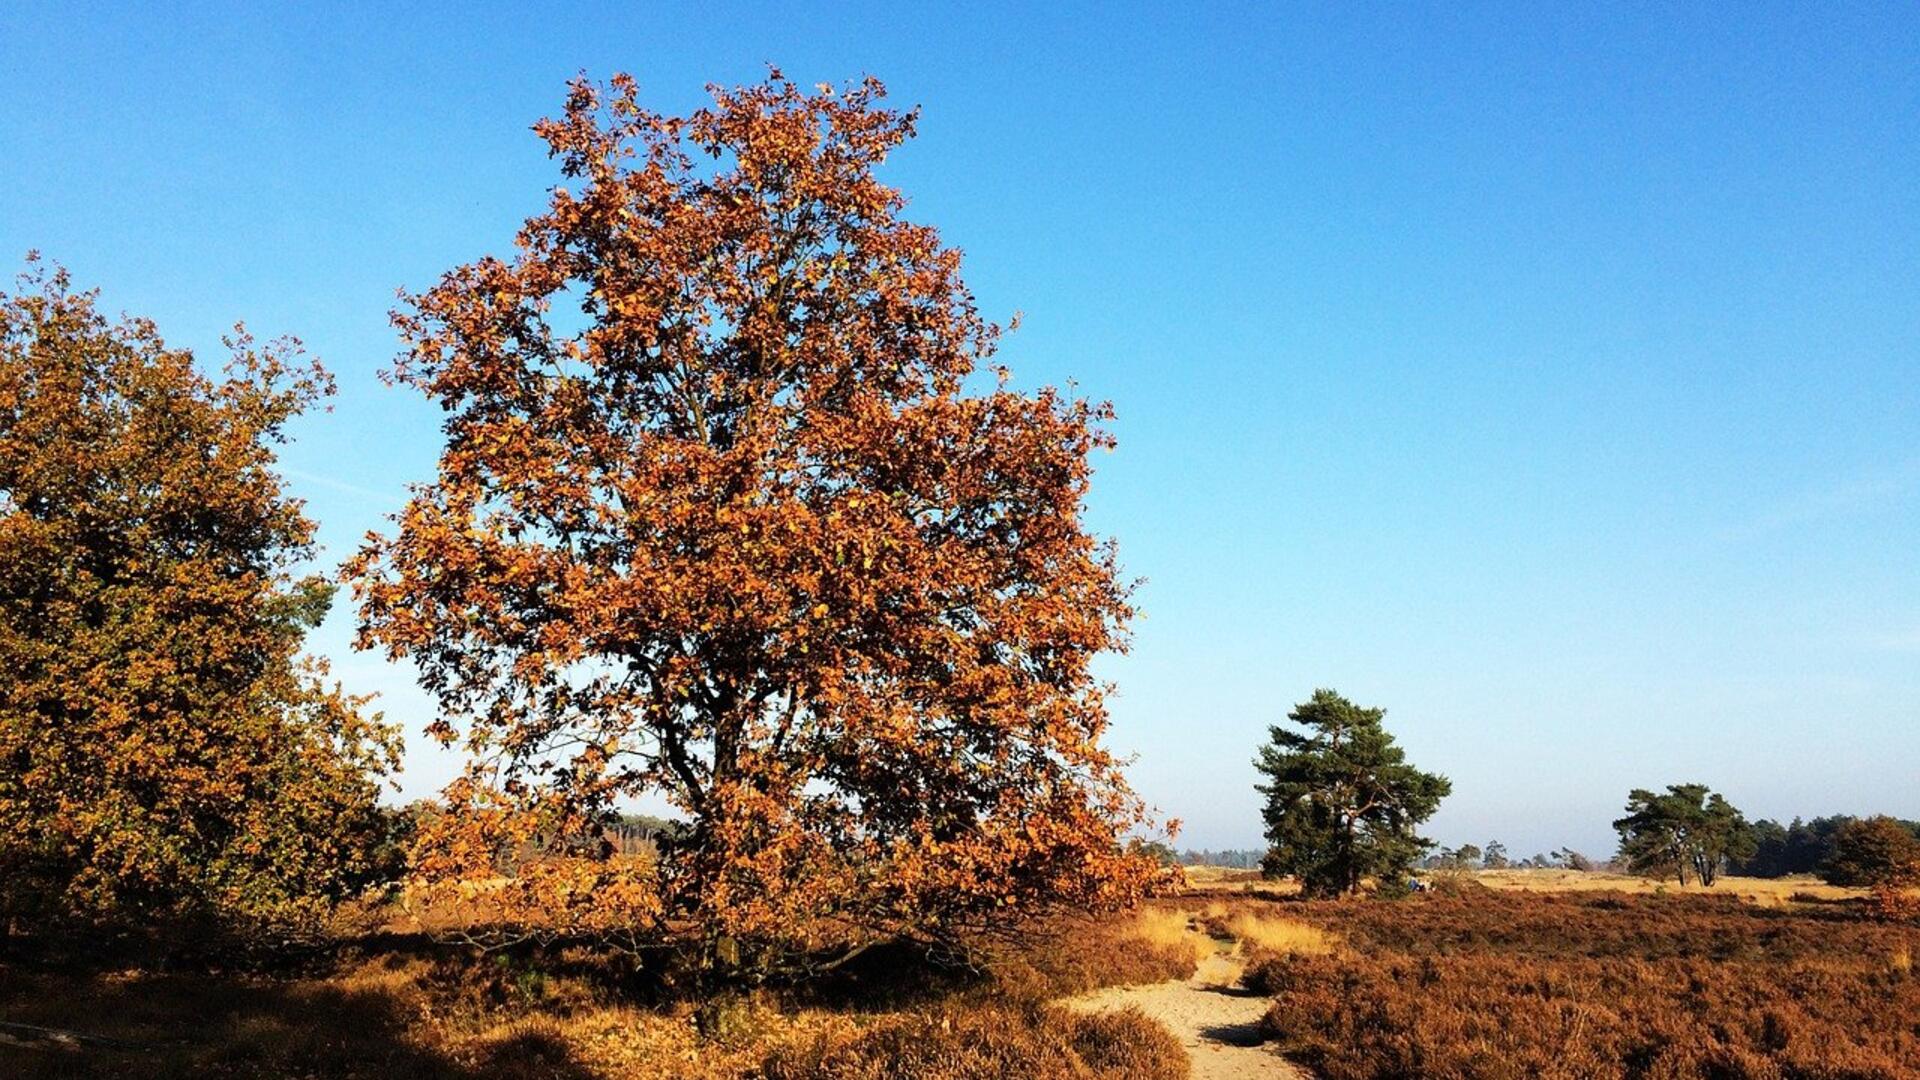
720	522
166	756
1343	803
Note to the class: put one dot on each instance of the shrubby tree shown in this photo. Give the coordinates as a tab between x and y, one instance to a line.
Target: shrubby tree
1881	854
1464	857
1495	857
1342	802
1685	831
1572	860
1873	852
166	756
719	520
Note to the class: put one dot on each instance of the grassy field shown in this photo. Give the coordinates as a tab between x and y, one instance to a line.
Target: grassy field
1486	984
1561	975
1501	975
1763	890
1212	880
402	1006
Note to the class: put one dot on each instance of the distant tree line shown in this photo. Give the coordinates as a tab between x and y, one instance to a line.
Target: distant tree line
640	834
1494	857
1231	858
1800	847
1693	834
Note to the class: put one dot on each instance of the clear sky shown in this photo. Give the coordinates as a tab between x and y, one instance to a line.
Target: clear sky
1549	378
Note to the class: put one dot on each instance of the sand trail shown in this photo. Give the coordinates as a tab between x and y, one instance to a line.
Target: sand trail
1216	1020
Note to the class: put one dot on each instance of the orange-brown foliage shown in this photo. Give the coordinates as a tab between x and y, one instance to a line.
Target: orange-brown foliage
989	1042
1881	854
1493	985
167	752
729	532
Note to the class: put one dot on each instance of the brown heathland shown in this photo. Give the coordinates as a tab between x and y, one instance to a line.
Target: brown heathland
1488	984
402	1006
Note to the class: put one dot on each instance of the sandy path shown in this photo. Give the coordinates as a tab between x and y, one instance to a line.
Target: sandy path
1213	1018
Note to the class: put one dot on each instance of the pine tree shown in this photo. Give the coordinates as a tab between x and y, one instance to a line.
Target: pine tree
1342	802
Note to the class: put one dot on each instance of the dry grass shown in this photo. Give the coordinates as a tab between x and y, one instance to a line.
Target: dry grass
1128	1043
991	1042
1261	930
1071	956
1223	881
405	1007
1490	985
1170	931
1219	881
1218	875
1267	935
391	1017
1800	888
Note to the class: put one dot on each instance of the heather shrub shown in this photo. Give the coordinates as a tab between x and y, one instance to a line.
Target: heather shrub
987	1042
1127	1042
1068	956
1501	986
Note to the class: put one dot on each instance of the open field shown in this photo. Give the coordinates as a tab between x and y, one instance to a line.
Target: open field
1222	880
1213	880
1491	984
1468	983
390	1006
1763	890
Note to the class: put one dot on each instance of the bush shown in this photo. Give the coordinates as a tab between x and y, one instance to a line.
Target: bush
1876	852
1127	1042
988	1042
172	763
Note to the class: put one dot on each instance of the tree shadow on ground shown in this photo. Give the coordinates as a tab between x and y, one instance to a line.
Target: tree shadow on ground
1234	1034
143	1025
890	975
1232	991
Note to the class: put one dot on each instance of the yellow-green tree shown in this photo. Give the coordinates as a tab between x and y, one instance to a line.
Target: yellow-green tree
166	754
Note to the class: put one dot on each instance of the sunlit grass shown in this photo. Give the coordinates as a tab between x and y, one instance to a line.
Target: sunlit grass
1799	887
1287	937
1170	929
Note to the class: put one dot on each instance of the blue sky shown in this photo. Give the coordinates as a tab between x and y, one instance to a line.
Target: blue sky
1547	377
